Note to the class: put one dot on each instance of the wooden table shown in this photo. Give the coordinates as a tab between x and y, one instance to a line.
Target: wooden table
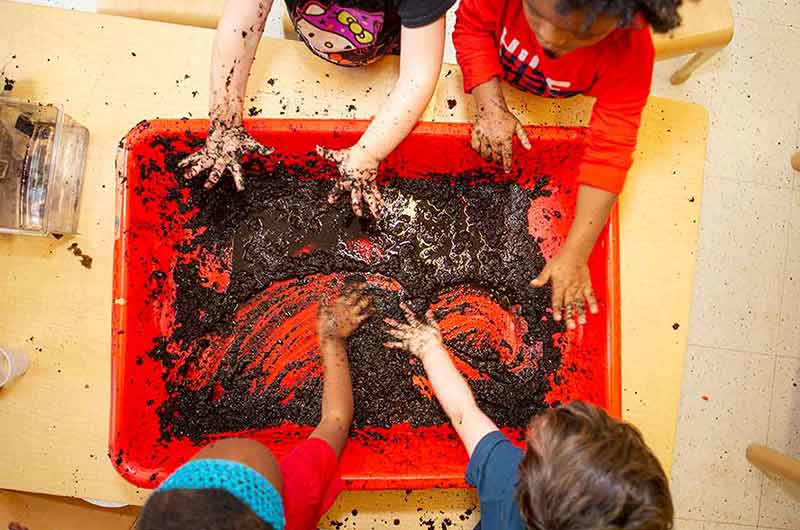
111	72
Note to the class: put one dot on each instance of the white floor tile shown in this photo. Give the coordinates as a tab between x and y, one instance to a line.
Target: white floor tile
780	505
753	105
778	11
787	341
83	5
780	501
740	263
794	226
274	27
688	524
724	408
697	88
692	524
449	49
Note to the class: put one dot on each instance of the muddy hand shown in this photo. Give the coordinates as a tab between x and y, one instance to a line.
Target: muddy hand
415	336
572	289
340	318
223	151
357	174
493	134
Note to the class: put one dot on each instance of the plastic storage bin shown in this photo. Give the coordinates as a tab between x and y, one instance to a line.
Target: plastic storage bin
42	158
400	457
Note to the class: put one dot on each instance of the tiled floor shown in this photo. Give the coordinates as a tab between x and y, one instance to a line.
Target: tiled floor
743	366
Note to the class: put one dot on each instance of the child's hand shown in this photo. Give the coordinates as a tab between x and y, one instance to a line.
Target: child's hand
339	319
418	338
358	172
572	288
223	151
493	133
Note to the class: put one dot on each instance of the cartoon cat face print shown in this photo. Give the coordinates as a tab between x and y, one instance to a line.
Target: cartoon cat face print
336	29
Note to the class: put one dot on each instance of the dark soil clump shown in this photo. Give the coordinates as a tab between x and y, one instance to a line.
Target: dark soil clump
86	260
455	243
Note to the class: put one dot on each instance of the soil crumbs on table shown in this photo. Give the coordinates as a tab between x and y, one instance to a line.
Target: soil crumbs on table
243	354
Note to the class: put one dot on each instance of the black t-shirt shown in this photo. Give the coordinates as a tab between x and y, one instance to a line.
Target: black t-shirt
357	32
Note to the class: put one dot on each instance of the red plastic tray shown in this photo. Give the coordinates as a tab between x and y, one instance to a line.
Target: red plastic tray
404	457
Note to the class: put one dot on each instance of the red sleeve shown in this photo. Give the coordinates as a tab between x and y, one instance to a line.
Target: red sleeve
621	89
310	483
476	42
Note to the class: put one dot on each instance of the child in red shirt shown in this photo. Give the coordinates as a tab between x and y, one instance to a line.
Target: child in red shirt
558	49
237	484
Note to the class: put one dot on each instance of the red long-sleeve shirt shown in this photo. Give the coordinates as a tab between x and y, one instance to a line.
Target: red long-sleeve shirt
493	39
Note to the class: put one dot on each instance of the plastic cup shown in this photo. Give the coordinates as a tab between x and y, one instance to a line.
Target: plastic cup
12	365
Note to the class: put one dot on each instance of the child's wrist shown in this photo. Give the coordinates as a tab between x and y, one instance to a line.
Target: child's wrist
575	251
361	156
430	351
226	113
488	94
330	337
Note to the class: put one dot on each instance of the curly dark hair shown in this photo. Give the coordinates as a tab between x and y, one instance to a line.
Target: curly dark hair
662	15
587	471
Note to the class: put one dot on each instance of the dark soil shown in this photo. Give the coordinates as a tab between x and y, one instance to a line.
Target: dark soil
86	260
439	237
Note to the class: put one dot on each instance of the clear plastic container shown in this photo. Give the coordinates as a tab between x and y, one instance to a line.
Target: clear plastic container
13	364
42	159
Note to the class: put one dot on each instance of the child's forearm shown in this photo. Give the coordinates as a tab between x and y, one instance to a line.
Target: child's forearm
337	394
420	65
592	209
337	391
456	398
235	43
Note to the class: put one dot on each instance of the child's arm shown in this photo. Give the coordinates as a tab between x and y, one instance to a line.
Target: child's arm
476	50
613	132
235	43
420	63
425	342
572	286
495	126
335	324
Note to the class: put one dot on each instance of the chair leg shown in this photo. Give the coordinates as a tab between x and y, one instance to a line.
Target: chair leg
288	27
774	463
695	62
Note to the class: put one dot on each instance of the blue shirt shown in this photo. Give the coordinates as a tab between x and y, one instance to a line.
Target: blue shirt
494	470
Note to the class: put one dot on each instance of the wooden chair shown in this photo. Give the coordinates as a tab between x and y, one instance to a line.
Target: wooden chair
202	13
707	25
774	463
706	29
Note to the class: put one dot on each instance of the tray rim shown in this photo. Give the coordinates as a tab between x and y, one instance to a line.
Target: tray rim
334	126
